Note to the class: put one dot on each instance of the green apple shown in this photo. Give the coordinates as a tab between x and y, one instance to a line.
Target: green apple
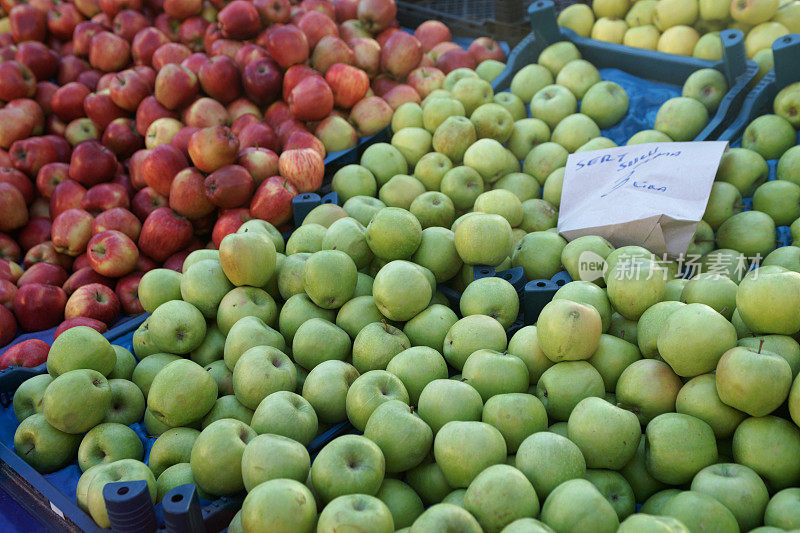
555	56
408	115
290	271
786	256
178	327
242	302
353	180
401	290
279	506
227	406
779	199
269	456
743	168
548	460
492	373
516	416
572	252
122	470
699	511
357	313
674	288
491	159
326	388
416	367
553	185
204	284
788	165
574	130
769	135
181	393
384	161
648	387
681	118
259	372
362	208
500	202
447	400
438	109
329	278
127	402
76	401
709	46
529	80
635	473
264	228
715	290
428	482
531	525
525	345
511	103
539	254
623	328
782	345
472	92
172	447
707	85
222	376
562	386
318	340
124	365
431	168
147	368
579	18
445	517
694	338
526	134
498	496
612	357
433	208
197	256
404	504
249	332
738	488
538	215
634	285
288	414
216	456
175	476
650	325
247	258
42	446
724	201
678	446
606	434
649	136
368	391
489	69
350	464
376	344
568	330
81	347
782	510
297	310
782	289
473	333
492	296
403	437
578	76
552	104
393	233
463	449
750	232
598	143
27	399
453	137
699	398
413	143
306	239
492	121
108	442
158	286
615	489
754	381
575	504
483	239
781	467
356	512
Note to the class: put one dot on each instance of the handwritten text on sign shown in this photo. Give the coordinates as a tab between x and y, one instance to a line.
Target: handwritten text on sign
649	193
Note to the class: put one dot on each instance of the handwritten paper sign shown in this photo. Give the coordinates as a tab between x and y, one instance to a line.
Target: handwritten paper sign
651	195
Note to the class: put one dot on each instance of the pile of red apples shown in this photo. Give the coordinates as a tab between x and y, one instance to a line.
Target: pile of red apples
135	131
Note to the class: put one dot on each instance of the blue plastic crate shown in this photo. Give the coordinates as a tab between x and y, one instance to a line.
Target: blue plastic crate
650	78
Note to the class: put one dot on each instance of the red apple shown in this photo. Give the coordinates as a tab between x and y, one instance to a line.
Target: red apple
187	195
345	10
484	48
9	269
260	162
46	253
145	43
44	95
401	54
170	53
67	195
62	20
220	78
99	107
39	306
16	125
16	81
293	76
329	51
113	7
273	200
258	134
42	61
35	232
85	276
287	128
228	222
17	179
317	25
63	149
45	273
127	291
400	95
164	233
383	36
213	148
304	168
432	32
13	208
149	111
109	52
249	53
161	165
175	261
112	253
39	208
71	230
425	80
34	111
145	264
128	89
93	301
349	84
182	9
228	187
82	36
311	99
127	23
28	353
146	201
352	29
262	81
7	292
105	196
376	15
242	107
273	11
80	321
27	23
323	6
367	55
92	163
239	20
304	139
442	48
90	78
288	45
456	58
167	25
135	170
8	330
122	138
118	219
206	112
181	139
371	115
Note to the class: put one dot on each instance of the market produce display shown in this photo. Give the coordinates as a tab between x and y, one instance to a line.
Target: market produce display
686	27
356	372
133	136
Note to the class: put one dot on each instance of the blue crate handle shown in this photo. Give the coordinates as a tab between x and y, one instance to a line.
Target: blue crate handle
182	513
129	506
786	53
302	204
515	276
562	278
538	293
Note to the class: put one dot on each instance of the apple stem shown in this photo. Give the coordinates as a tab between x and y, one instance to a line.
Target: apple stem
760	345
385	325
